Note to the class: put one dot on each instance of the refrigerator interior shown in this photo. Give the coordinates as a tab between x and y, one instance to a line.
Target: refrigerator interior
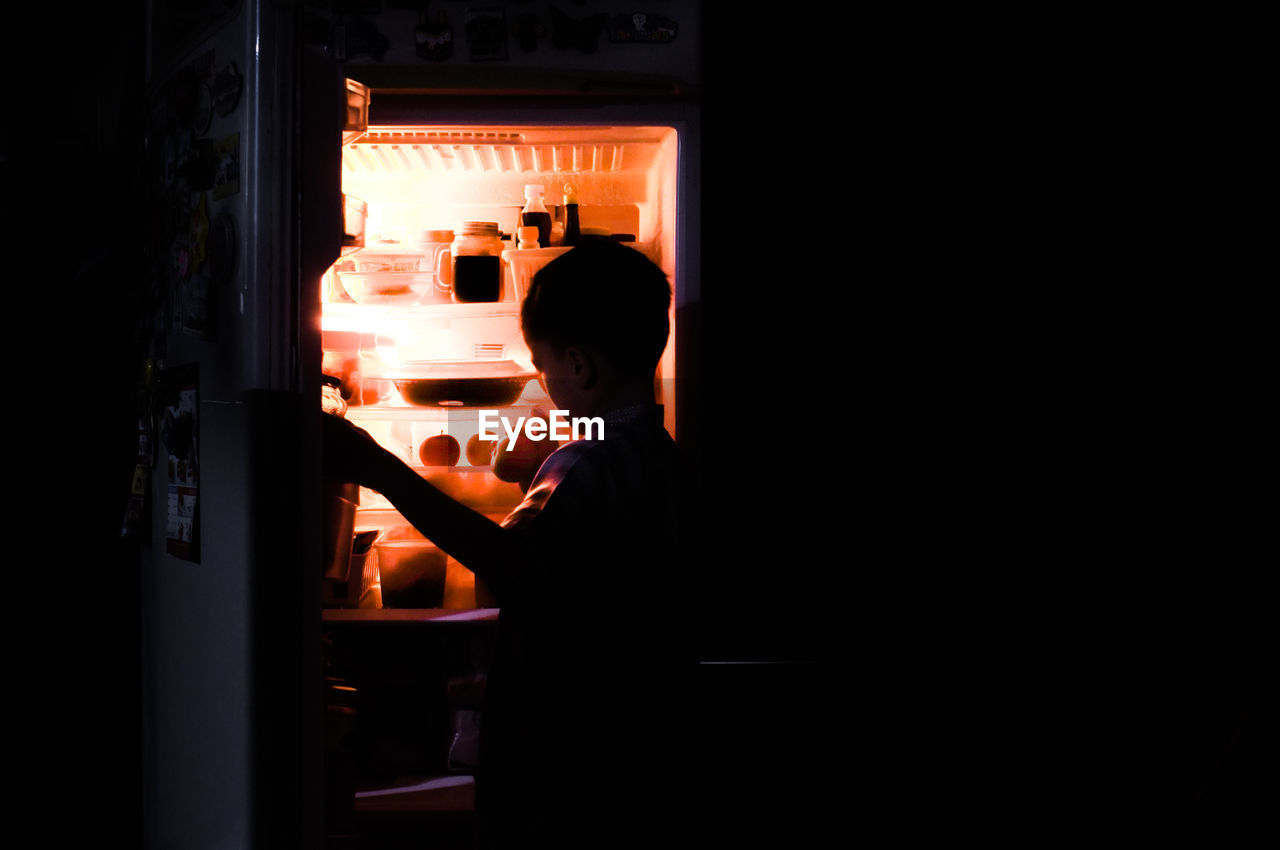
410	180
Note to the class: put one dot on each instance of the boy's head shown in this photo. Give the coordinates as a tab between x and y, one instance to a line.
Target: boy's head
599	312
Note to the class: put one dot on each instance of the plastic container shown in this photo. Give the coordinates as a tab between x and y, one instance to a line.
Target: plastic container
353	359
385	272
356	122
525	263
386	256
392	288
412	573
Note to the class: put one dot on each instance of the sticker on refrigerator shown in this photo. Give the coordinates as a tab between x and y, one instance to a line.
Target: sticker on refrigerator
179	432
224	89
528	29
569	33
486	33
356	36
433	39
643	28
226	173
192	275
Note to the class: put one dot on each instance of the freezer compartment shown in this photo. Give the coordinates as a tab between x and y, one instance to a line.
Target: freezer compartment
422	177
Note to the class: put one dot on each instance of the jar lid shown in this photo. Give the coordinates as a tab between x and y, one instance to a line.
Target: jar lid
478	228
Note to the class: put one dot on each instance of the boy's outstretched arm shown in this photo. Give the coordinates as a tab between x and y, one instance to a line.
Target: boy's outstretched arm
475	541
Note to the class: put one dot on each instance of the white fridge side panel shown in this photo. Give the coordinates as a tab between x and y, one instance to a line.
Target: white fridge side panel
201	633
196	656
267	302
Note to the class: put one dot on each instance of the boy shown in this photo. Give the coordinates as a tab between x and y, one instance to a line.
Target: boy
585	729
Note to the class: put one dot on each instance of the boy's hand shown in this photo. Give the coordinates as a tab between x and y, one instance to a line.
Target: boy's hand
520	463
350	454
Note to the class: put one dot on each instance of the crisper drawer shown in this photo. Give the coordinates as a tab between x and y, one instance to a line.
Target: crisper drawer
440	441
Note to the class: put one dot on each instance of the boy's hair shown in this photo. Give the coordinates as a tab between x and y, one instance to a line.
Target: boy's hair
604	295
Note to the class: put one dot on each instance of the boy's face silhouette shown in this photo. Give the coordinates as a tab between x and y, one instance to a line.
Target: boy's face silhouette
569	376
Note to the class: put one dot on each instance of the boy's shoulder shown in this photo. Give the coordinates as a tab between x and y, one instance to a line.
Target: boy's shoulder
629	452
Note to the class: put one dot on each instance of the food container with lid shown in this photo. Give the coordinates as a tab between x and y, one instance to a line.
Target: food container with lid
386	272
411	571
460	383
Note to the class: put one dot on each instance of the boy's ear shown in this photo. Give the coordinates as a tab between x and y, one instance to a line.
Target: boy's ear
583	365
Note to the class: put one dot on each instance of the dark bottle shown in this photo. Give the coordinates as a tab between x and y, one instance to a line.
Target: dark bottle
536	214
572	228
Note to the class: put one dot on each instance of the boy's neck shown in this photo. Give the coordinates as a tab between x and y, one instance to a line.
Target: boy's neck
621	396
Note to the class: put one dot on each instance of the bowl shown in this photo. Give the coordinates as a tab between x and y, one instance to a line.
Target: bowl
387	287
412	573
461	383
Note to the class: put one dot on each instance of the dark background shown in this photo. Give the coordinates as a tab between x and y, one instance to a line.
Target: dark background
1029	532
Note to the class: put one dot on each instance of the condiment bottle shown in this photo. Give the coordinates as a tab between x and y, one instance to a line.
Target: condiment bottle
572	228
535	213
528	237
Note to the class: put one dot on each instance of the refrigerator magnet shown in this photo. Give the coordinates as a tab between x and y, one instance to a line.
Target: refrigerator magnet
433	39
486	31
203	113
222	249
569	33
225	89
358	36
179	431
226	175
643	28
527	30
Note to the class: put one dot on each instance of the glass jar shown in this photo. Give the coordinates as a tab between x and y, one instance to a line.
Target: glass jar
476	256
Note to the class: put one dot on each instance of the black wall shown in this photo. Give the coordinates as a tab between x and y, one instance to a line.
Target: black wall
68	183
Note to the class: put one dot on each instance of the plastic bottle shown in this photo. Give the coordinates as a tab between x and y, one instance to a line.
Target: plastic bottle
536	214
572	228
528	238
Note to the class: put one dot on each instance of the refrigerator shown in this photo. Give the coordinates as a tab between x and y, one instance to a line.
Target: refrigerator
285	145
267	124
